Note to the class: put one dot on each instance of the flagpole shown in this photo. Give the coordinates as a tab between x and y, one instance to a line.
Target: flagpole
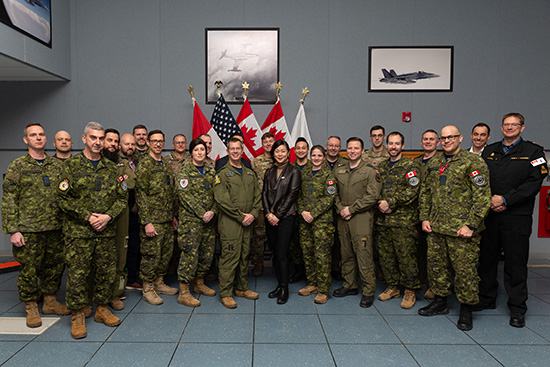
246	87
305	92
191	90
279	86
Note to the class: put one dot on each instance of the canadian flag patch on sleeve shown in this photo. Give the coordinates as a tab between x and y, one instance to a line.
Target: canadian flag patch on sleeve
538	162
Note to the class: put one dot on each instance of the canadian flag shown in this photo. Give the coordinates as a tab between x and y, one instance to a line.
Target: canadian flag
202	126
300	128
251	131
275	123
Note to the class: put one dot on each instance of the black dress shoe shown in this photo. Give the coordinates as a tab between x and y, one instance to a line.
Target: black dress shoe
465	318
343	292
366	301
283	295
437	307
299	274
517	319
336	275
275	293
482	306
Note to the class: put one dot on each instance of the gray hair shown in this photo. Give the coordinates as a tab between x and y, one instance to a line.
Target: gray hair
93	126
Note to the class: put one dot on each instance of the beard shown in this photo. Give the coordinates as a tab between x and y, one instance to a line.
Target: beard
112	156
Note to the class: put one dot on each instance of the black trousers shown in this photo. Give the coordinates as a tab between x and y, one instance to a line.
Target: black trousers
511	233
133	257
279	239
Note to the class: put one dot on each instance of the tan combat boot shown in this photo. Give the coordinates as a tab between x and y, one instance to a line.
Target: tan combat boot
409	299
310	289
52	307
150	295
163	288
201	288
78	324
186	298
104	316
321	298
87	311
117	304
247	294
33	317
429	294
228	302
389	293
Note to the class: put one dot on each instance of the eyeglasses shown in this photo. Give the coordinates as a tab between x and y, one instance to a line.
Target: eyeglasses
180	142
514	125
450	137
377	136
157	141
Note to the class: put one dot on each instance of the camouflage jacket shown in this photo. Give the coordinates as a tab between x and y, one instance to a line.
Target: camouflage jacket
195	192
124	170
29	202
306	166
155	194
339	162
455	193
175	163
424	166
373	158
400	188
317	193
260	164
359	189
84	190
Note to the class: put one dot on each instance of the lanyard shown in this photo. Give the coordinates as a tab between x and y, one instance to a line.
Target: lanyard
442	168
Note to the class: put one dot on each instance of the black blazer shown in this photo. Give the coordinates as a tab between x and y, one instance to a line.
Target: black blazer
280	196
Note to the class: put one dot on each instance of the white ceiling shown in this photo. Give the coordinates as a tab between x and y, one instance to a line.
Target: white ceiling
14	70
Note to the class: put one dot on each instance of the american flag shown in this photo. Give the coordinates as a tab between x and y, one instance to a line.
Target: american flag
223	121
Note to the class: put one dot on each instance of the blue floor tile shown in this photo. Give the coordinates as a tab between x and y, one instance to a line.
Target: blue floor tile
170	306
393	306
539	324
427	330
276	355
538	285
288	329
212	328
213	305
8	300
345	306
357	329
8	349
296	305
451	355
496	330
133	354
54	354
226	355
520	356
150	328
372	355
61	331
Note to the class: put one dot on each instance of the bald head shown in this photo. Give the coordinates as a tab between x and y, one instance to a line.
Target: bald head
63	144
451	139
127	145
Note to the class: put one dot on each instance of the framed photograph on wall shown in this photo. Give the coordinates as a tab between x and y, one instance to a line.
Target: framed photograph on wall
411	69
236	55
33	18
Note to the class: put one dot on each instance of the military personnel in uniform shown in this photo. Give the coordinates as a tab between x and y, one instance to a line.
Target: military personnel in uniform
260	164
517	169
237	195
223	160
208	140
454	200
63	144
31	216
358	186
92	195
315	206
481	133
397	222
378	152
196	227
429	143
140	134
155	197
177	158
333	147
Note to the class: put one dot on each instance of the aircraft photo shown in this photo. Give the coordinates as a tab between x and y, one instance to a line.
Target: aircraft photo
409	78
239	57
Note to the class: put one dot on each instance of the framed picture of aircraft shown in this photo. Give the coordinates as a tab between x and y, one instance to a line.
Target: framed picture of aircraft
238	55
31	17
411	69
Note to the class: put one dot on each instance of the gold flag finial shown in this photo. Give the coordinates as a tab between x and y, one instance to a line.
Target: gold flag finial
219	84
191	90
278	86
246	87
305	92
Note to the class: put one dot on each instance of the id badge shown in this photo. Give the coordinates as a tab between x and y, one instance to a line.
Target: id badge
442	180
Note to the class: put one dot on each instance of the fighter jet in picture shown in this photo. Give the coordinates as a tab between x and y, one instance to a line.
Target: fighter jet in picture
238	58
409	78
37	3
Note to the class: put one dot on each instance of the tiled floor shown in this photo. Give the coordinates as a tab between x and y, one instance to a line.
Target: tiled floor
300	333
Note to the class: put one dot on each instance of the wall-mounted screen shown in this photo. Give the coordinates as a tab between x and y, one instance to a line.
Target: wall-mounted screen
30	17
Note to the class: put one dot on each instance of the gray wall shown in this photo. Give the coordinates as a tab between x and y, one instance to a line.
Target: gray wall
132	63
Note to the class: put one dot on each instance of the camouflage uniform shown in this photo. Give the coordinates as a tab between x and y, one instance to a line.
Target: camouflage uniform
260	164
455	193
175	163
235	194
29	206
155	197
397	231
195	238
317	197
374	158
295	251
359	189
84	190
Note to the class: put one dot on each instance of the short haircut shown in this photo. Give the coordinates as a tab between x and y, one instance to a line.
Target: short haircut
356	138
396	133
139	126
268	135
431	131
377	127
302	139
482	124
319	148
201	135
111	130
334	137
234	140
175	136
276	145
514	114
29	125
93	126
153	132
194	143
237	133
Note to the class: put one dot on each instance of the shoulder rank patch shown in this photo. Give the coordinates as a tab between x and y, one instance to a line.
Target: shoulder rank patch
184	182
543	170
121	164
479	180
413	180
538	162
216	180
64	185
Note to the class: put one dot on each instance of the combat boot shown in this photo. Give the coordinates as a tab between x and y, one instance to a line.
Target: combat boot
201	288
150	295
437	307
321	298
429	294
52	307
310	289
117	304
163	288
186	298
389	293
465	319
78	324
228	302
409	299
104	316
258	270
248	294
33	317
87	311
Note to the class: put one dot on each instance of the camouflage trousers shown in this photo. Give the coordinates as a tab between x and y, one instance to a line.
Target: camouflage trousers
197	241
40	258
295	250
460	253
258	241
234	258
83	255
156	252
397	256
316	241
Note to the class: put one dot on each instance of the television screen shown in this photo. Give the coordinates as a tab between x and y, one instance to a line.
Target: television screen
30	17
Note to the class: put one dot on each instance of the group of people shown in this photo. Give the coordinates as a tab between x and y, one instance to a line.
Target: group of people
117	213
